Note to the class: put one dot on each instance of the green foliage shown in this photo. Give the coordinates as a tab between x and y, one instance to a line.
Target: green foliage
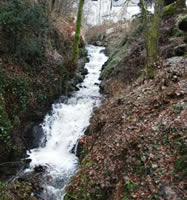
19	89
169	10
129	186
89	163
5	138
10	18
181	163
22	26
1	78
31	51
124	198
5	126
181	166
2	191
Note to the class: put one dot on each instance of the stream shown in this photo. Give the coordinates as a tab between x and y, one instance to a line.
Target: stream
63	127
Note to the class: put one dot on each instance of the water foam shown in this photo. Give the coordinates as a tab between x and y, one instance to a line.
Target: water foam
65	125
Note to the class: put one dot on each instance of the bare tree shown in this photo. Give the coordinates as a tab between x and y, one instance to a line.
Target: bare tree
59	7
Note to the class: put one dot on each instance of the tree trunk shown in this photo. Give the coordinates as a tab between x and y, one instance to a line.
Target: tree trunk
151	34
181	4
78	31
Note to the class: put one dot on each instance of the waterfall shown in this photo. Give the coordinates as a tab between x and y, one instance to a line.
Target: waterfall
64	126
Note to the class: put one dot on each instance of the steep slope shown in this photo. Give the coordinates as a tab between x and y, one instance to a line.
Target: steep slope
35	69
135	147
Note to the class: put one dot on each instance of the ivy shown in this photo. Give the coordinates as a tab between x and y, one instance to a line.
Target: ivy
23	27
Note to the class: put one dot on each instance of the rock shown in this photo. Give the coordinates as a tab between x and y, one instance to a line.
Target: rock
183	24
9	169
39	168
87	59
35	115
154	166
27	161
174	61
105	64
119	101
98	43
104	51
78	79
76	88
174	78
102	86
180	50
167	51
84	72
61	99
168	193
33	134
169	10
79	149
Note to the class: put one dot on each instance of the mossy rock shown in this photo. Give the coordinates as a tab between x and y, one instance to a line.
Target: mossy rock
177	32
114	65
181	50
182	23
181	26
170	10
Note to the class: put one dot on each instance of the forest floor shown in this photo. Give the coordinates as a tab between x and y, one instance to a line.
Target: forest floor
135	147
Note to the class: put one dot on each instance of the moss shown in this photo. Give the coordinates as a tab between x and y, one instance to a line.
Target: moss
119	54
113	64
176	32
78	32
180	26
89	163
151	35
170	10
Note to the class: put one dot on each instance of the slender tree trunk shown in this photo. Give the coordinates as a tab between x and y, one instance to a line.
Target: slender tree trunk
78	31
151	34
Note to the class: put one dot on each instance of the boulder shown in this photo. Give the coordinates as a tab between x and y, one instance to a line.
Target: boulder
183	24
180	50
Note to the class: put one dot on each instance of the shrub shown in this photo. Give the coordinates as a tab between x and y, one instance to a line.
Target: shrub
22	26
31	50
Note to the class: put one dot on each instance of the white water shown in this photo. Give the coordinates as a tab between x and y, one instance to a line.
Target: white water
65	125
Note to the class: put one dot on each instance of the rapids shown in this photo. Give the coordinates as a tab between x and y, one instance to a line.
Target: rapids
65	124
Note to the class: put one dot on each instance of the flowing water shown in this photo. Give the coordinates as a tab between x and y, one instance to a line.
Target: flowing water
65	125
